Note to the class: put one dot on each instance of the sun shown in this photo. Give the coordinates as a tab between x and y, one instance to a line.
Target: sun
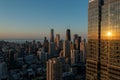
109	33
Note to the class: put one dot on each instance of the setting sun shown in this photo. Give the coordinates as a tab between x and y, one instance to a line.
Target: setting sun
109	33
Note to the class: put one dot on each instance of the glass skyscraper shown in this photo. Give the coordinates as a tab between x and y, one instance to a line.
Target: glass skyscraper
103	57
68	35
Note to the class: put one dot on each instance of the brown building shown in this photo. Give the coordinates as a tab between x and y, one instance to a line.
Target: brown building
66	49
54	69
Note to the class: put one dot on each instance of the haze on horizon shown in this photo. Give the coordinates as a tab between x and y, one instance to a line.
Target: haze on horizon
33	19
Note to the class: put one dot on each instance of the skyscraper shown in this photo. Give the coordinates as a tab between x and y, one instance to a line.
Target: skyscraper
77	43
67	45
83	51
46	45
57	39
52	35
74	57
75	37
103	57
68	35
52	49
54	69
66	49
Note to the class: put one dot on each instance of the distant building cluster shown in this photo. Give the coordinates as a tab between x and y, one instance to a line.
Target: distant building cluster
67	58
56	59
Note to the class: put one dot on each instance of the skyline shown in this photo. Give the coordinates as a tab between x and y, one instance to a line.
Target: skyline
34	19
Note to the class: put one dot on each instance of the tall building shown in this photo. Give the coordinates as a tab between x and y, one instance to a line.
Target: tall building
66	49
75	37
52	50
46	45
83	51
57	39
75	57
54	69
68	35
77	43
103	57
52	35
42	56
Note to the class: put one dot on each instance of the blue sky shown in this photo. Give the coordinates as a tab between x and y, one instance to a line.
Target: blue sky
24	19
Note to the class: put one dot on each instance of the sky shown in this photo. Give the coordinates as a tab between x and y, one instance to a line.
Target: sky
33	19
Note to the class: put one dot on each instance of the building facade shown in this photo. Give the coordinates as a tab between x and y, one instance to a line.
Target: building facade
103	57
52	49
54	69
66	49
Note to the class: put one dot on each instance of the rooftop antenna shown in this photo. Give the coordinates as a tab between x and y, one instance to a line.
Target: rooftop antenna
68	27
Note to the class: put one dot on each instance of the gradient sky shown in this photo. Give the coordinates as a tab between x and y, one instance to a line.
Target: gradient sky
29	19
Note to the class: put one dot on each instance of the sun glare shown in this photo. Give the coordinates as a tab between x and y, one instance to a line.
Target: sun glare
109	33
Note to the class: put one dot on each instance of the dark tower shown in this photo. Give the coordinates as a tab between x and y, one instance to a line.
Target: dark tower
68	35
52	35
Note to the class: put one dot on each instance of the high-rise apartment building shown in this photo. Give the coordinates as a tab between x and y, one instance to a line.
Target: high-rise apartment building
103	57
54	69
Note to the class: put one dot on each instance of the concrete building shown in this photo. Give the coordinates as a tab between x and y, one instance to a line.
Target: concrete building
54	69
